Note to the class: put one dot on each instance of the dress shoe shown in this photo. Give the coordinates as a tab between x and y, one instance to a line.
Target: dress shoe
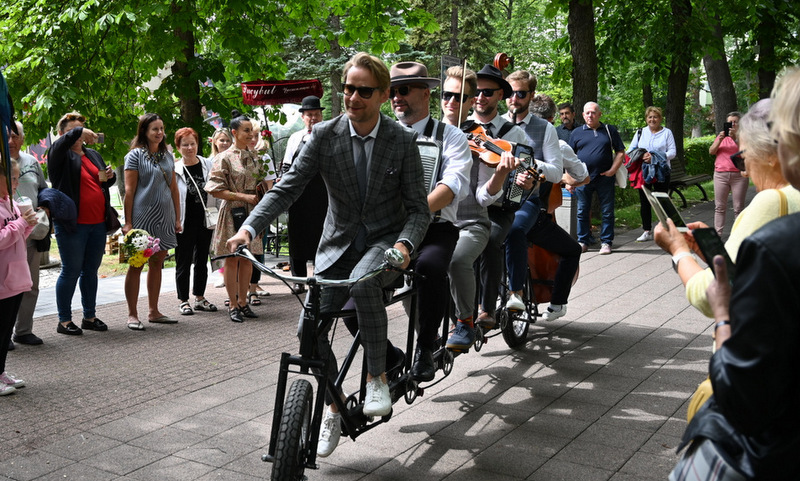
70	329
423	368
247	312
11	345
235	315
94	325
29	339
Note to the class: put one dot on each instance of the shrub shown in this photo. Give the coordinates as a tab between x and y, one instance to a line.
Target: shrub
698	160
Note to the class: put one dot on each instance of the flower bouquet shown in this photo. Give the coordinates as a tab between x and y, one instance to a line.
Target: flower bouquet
139	246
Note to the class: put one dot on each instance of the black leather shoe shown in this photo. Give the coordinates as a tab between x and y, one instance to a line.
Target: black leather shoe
247	312
11	345
423	368
94	325
70	329
29	339
298	288
236	315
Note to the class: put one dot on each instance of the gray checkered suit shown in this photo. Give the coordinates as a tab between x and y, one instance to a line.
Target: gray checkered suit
395	208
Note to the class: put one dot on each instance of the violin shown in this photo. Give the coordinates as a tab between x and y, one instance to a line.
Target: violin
489	150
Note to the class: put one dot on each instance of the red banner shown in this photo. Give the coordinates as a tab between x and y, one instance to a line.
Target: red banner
262	92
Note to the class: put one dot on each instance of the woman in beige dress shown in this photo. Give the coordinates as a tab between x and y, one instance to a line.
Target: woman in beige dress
233	179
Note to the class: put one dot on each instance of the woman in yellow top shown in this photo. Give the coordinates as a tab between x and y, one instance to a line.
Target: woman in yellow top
760	156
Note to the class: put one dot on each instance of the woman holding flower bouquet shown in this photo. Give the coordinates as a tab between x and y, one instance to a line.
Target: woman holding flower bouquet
152	204
233	179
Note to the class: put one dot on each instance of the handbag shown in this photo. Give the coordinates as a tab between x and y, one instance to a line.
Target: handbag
621	177
210	213
42	228
239	214
112	220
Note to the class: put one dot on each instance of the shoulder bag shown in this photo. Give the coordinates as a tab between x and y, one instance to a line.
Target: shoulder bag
211	213
621	177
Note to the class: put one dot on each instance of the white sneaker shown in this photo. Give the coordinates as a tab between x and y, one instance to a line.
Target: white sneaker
646	236
605	249
378	401
329	434
10	380
515	302
554	312
6	389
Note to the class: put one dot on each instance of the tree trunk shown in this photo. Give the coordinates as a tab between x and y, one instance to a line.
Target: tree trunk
679	71
697	110
647	94
580	25
767	63
336	72
453	50
719	78
188	90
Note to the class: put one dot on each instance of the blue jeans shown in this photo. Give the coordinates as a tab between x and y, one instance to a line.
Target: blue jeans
517	243
81	254
604	186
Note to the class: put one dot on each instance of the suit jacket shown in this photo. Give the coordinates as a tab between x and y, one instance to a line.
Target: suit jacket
395	206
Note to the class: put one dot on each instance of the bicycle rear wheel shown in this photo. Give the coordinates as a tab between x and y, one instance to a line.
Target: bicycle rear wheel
514	327
293	442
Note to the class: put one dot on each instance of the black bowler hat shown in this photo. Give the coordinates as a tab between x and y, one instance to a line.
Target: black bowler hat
493	73
311	103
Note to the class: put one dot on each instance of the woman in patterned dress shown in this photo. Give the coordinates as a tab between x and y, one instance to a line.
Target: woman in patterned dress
152	203
233	179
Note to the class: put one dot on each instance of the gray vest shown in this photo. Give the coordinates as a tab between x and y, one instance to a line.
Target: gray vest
535	131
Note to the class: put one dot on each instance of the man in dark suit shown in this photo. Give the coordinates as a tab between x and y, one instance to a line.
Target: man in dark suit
377	199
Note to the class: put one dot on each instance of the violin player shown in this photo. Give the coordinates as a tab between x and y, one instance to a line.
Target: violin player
489	89
542	136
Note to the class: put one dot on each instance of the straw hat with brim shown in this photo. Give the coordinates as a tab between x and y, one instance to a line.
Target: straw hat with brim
491	72
310	103
412	73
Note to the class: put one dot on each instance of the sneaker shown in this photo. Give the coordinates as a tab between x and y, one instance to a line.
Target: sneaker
378	402
554	312
329	434
463	337
584	247
5	389
605	249
646	236
10	380
515	302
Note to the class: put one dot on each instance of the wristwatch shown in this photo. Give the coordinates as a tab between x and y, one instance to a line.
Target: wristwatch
677	258
408	245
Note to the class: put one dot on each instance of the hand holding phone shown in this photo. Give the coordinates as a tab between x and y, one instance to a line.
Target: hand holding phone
711	245
665	209
727	128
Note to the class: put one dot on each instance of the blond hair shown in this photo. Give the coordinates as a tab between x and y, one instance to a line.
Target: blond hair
371	63
470	78
785	117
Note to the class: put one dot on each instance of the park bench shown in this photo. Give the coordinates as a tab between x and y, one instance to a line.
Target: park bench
679	179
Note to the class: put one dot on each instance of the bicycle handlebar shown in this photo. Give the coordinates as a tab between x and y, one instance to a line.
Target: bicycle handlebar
392	260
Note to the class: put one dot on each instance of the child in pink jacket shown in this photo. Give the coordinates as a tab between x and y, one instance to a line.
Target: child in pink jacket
15	277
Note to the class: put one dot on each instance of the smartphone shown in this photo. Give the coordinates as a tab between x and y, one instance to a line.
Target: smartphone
727	128
665	209
711	245
101	138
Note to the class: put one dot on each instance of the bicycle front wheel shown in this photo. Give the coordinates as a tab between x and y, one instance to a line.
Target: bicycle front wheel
293	442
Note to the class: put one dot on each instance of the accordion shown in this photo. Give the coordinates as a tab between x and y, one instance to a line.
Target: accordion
513	194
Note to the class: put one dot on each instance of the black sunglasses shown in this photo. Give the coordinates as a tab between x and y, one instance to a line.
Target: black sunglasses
403	90
486	92
521	94
363	92
448	96
738	160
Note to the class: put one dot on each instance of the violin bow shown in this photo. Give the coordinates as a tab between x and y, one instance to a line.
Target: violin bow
463	76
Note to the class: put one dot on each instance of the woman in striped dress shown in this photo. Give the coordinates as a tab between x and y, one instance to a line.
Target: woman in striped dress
152	203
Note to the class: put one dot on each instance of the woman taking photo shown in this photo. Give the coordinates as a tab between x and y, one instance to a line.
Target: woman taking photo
659	143
727	178
81	174
152	203
234	177
195	239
